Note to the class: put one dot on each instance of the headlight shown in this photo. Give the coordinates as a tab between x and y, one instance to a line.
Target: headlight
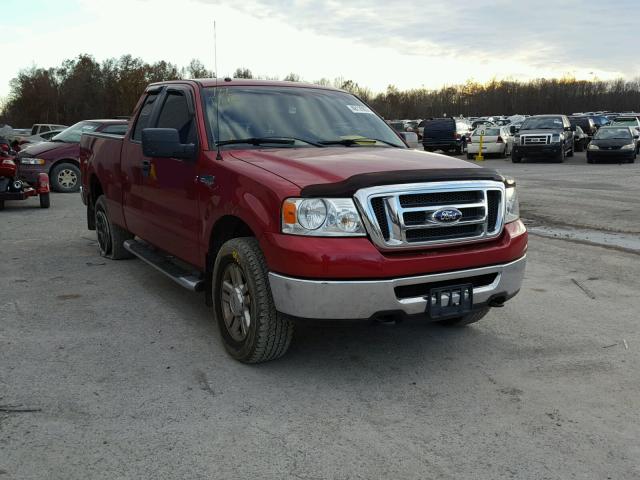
513	207
593	146
557	137
321	217
631	146
32	161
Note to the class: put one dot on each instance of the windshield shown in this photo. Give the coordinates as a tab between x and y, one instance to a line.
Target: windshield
625	121
74	132
301	114
534	123
608	133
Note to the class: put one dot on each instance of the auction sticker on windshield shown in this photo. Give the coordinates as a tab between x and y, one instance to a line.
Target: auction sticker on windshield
359	109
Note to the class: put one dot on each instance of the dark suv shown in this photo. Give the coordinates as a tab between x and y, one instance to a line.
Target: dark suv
444	134
587	124
543	135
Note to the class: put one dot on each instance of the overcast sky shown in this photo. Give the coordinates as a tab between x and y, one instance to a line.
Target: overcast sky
374	42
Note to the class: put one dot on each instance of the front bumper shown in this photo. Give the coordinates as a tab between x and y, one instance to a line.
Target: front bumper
610	154
533	150
364	299
30	173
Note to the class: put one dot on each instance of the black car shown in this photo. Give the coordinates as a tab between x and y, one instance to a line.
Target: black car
600	120
444	134
587	124
543	135
613	143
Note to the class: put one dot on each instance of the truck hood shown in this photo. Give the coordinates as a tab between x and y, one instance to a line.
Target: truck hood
312	166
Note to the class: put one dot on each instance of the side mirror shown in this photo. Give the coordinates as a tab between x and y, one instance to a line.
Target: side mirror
513	130
165	142
636	136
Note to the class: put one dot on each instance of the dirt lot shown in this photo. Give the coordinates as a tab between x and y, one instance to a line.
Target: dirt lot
128	377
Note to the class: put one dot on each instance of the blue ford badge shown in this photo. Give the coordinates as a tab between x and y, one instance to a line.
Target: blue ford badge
447	215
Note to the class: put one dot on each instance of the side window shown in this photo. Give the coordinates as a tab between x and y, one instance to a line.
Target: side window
115	129
175	114
144	116
44	128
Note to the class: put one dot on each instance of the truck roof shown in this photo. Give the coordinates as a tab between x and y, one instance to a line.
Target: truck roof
212	82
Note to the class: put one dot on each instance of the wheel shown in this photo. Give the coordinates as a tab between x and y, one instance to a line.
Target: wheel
560	157
503	154
570	153
579	147
65	178
515	158
469	156
110	236
589	159
1	204
252	330
459	148
45	200
472	317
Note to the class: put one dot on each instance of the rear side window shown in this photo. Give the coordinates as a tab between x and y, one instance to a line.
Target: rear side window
175	114
144	116
115	129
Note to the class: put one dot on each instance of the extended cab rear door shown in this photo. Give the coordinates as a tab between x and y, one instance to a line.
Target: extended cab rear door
163	196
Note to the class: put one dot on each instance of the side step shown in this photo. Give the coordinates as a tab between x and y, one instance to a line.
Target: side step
163	263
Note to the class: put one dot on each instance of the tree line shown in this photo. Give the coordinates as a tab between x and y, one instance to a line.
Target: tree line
82	88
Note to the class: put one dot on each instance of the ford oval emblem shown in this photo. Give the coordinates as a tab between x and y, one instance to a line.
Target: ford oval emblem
447	215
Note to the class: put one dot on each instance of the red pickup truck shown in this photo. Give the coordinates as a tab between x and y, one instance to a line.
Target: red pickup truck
286	201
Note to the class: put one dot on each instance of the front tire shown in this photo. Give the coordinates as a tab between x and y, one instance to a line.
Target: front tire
515	158
65	178
252	330
465	320
111	237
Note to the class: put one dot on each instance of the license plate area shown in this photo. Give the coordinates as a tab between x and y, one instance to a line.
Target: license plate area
450	301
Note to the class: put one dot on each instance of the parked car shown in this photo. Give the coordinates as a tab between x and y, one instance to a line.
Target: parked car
59	158
477	123
42	137
39	128
445	134
614	143
284	201
543	135
627	121
580	139
587	124
495	141
600	120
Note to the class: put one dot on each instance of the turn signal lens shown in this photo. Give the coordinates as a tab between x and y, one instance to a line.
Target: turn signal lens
289	213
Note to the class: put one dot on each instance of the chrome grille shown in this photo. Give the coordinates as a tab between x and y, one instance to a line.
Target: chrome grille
535	139
403	216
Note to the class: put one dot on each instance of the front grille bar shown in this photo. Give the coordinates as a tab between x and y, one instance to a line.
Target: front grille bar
384	215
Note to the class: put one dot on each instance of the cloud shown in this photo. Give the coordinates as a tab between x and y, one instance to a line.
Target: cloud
568	36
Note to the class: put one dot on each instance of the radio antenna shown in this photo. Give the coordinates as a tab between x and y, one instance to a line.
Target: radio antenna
215	66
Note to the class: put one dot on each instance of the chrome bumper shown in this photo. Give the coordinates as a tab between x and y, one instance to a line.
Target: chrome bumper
362	299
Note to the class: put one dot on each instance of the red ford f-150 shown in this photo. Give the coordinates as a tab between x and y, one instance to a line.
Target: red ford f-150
285	201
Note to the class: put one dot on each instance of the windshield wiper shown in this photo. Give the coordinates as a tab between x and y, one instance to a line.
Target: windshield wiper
264	140
349	142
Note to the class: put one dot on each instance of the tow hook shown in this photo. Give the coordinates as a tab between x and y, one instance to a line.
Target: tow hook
497	302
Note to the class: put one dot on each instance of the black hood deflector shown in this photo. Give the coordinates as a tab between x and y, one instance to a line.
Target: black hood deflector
349	186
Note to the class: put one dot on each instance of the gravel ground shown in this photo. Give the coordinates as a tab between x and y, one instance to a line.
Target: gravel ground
130	380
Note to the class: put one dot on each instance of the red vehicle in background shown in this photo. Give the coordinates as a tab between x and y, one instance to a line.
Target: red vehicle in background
59	157
12	188
285	201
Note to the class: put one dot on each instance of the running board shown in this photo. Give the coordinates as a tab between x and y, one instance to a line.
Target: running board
163	264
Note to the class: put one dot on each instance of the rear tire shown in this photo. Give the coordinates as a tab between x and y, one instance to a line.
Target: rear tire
251	329
45	200
111	237
465	320
515	158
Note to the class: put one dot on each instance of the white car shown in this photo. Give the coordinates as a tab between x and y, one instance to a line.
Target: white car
496	141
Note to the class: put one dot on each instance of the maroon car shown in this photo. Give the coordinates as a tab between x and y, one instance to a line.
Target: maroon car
59	157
